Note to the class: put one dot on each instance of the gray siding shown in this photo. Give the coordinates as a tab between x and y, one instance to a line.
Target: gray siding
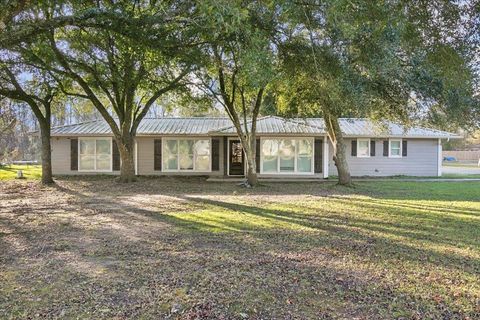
61	158
421	160
145	159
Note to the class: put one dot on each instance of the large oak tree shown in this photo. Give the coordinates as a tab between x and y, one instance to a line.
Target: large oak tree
39	92
237	64
401	61
122	74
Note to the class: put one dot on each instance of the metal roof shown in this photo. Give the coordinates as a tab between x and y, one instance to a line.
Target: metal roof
148	126
277	125
351	127
358	127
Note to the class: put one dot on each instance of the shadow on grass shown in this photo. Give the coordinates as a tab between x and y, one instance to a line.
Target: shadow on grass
158	248
341	227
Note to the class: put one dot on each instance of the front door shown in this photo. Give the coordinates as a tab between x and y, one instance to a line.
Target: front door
236	158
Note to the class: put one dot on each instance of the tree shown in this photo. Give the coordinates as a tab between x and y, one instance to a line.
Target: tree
373	59
122	75
7	119
39	95
238	65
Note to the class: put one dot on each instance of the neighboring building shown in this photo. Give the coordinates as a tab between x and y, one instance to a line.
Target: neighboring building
285	147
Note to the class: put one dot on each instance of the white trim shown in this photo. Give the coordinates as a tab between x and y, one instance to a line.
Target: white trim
325	157
164	139
228	158
136	157
440	158
95	154
390	148
295	171
368	147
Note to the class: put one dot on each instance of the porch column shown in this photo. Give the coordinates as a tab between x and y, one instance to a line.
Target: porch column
325	157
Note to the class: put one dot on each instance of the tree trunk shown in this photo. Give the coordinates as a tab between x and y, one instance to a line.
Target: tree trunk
340	160
339	150
46	154
249	147
251	169
127	168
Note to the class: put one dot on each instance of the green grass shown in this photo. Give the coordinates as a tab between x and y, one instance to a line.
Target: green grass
461	164
407	241
459	176
29	171
381	250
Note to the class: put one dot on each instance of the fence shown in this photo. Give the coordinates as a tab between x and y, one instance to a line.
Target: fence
463	155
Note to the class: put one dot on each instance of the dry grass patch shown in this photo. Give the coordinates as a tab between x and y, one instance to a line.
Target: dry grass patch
187	249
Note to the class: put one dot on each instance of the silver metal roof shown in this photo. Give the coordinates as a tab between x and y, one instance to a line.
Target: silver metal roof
148	126
277	125
351	127
358	127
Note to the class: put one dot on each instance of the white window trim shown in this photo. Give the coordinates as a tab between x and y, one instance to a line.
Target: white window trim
368	146
164	139
295	171
95	154
390	148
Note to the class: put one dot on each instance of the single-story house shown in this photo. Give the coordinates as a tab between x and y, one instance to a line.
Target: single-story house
285	147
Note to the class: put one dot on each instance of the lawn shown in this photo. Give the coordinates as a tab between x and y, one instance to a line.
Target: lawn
29	171
187	249
465	164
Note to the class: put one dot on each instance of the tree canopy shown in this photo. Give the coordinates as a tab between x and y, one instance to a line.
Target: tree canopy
385	61
411	61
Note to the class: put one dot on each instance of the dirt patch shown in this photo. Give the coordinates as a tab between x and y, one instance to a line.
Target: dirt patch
187	249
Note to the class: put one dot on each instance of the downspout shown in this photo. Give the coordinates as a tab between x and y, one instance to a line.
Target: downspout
136	157
326	157
439	158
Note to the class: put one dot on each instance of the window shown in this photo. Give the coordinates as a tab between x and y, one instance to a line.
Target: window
305	155
287	156
95	154
186	155
395	149
363	146
270	155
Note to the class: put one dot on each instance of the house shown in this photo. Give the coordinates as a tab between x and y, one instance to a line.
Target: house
285	147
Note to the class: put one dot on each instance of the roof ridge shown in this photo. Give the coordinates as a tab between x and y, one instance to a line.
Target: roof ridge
78	123
233	125
155	118
305	124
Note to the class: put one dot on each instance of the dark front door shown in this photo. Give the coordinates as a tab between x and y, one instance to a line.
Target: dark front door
236	164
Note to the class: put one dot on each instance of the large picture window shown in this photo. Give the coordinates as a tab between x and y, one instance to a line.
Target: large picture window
287	156
186	155
95	154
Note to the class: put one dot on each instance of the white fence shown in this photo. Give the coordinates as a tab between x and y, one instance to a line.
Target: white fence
463	155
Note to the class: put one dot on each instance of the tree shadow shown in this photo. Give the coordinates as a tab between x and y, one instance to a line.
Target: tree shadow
139	256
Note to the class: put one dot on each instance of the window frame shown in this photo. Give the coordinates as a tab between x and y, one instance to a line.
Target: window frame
194	139
295	171
95	154
390	155
368	140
